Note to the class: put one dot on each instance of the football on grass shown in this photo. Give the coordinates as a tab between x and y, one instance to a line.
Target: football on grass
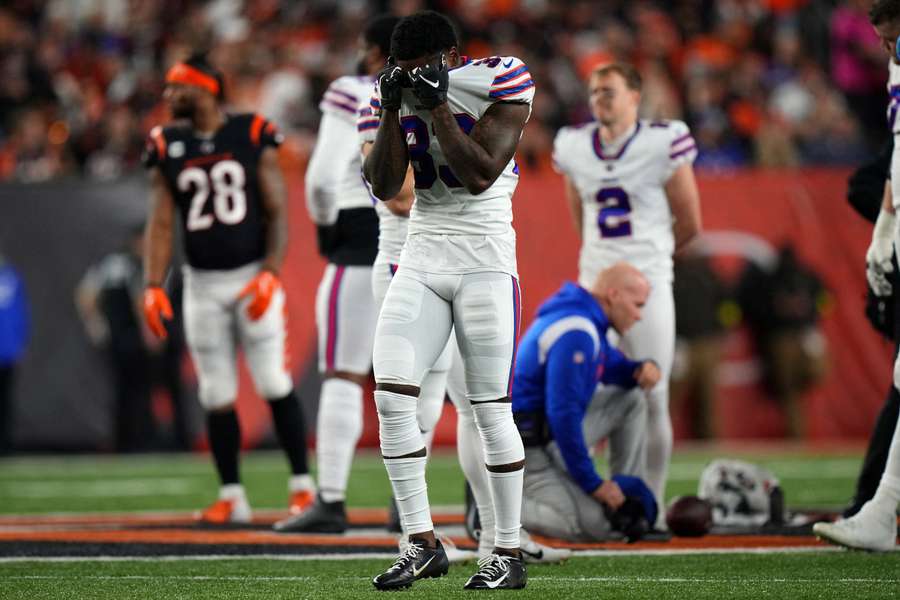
689	516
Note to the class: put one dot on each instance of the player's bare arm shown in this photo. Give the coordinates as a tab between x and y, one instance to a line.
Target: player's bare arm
684	201
159	230
385	167
272	189
400	204
573	199
478	159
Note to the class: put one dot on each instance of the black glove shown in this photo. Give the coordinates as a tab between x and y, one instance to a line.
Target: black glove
390	86
430	84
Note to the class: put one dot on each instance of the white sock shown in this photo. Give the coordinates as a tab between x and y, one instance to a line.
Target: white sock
399	435
502	446
888	492
407	477
338	428
507	491
471	460
232	491
659	444
299	483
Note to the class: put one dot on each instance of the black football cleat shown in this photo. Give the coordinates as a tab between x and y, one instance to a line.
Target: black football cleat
498	572
321	517
417	562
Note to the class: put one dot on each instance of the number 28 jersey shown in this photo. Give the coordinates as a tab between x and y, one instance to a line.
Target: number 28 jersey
214	183
625	211
450	229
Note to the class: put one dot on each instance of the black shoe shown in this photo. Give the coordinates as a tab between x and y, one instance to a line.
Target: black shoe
321	517
418	562
393	524
498	572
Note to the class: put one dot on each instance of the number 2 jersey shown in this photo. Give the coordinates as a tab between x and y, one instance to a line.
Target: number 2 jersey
214	182
450	229
625	211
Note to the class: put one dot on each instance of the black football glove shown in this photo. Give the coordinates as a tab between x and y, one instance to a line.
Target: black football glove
430	84
390	86
327	238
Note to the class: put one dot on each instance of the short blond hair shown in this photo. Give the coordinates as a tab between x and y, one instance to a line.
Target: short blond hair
632	77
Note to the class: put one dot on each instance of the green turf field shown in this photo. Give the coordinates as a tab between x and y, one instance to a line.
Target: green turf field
187	482
177	482
802	575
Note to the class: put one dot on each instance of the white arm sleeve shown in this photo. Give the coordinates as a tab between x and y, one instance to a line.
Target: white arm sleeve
336	145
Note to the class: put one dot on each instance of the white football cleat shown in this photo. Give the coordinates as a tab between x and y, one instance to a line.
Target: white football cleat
535	553
872	528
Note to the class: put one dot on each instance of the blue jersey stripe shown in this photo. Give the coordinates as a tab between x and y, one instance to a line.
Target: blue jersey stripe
511	75
513	90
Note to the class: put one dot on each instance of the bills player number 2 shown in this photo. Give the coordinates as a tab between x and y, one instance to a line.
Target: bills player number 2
614	218
226	181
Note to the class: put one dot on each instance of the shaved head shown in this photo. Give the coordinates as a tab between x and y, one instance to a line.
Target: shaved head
621	291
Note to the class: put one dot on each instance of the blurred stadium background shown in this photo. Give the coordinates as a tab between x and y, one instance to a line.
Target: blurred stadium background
785	98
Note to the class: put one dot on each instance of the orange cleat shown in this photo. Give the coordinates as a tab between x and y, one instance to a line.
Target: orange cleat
301	500
231	510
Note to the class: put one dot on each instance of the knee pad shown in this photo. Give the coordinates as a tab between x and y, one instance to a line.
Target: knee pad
216	393
398	427
501	439
273	384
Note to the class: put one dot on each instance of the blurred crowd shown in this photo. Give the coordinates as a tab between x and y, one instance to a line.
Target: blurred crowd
776	83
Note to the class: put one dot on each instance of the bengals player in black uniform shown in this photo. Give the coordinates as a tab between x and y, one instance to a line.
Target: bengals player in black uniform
219	172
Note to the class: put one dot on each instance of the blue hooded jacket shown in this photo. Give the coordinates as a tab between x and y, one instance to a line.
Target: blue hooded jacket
561	358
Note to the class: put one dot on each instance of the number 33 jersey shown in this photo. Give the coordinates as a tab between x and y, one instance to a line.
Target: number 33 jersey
450	229
214	182
625	211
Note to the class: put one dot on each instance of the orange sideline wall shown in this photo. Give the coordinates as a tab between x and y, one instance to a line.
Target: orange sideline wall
807	208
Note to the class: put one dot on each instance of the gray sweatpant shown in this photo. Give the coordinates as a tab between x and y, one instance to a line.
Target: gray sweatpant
553	504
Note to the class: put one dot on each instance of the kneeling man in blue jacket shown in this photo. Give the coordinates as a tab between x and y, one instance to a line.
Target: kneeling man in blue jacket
573	389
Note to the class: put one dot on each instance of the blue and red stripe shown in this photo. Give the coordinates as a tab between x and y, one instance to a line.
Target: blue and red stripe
513	90
334	296
365	125
517	318
509	75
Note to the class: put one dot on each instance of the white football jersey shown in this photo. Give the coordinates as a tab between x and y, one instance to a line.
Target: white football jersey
391	228
451	230
341	100
625	211
894	91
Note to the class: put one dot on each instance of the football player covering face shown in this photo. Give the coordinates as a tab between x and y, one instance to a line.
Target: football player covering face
220	174
459	129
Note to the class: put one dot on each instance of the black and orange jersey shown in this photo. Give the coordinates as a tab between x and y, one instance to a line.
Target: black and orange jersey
214	182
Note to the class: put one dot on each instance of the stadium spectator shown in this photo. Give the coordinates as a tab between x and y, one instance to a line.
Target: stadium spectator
76	75
14	331
857	65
